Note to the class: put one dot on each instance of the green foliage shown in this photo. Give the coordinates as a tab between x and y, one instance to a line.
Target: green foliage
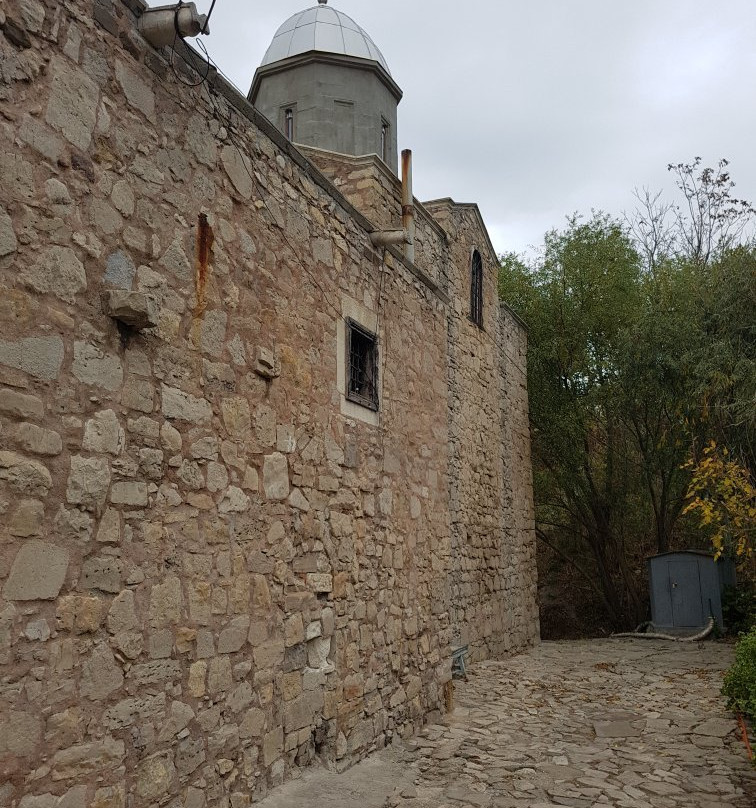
740	681
642	350
739	608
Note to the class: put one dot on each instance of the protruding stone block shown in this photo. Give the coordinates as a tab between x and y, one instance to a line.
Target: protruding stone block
267	364
133	309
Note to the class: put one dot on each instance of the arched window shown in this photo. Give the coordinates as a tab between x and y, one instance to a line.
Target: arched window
476	289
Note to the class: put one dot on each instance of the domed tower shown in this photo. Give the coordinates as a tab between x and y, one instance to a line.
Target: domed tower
324	83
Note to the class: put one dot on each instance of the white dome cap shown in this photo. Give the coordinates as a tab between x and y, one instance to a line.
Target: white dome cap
322	29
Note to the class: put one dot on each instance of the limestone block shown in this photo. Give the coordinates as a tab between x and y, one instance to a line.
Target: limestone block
79	613
166	602
217	477
239	170
88	482
108	797
135	710
33	14
197	674
175	261
236	417
103	434
233	637
154	777
138	93
276	476
56	271
179	718
253	724
40	357
93	366
109	531
170	438
213	332
72	105
119	270
34	439
41	138
38	572
318	651
234	501
37	630
20	734
273	746
123	199
88	759
156	672
122	615
133	494
101	675
294	630
269	655
161	643
20	405
102	573
182	406
320	582
27	518
134	309
8	243
73	525
220	676
298	500
190	754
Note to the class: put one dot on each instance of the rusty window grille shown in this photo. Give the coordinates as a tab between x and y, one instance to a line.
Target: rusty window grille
476	289
362	366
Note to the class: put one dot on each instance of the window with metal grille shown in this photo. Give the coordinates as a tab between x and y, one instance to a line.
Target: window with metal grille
476	289
362	366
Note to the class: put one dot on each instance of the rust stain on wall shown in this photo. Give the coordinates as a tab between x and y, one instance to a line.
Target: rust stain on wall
205	239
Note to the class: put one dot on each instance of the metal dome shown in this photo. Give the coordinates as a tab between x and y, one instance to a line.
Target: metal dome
322	29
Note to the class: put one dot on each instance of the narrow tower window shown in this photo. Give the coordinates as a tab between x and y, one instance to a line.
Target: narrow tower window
476	289
289	123
362	366
384	140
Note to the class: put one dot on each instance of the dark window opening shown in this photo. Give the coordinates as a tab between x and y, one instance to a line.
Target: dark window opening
384	141
362	366
476	289
289	123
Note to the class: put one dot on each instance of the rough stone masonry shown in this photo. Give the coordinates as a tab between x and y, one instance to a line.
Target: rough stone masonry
211	570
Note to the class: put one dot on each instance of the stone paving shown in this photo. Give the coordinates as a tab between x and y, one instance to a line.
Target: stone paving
626	723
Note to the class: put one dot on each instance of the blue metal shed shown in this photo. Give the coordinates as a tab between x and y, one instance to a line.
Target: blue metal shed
685	589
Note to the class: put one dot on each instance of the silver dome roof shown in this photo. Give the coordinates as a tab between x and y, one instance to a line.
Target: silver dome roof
322	29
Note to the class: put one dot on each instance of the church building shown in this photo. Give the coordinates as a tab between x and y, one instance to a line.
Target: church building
264	444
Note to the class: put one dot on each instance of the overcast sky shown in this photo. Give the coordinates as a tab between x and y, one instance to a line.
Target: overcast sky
538	108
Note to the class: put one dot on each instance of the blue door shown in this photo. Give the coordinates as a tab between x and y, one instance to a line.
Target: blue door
685	592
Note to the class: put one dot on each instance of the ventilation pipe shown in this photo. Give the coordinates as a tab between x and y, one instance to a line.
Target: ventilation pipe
161	26
406	236
408	206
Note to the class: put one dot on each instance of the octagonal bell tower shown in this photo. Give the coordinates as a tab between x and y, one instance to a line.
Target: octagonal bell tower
324	83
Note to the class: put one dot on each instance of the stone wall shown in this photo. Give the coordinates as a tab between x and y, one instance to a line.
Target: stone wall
208	574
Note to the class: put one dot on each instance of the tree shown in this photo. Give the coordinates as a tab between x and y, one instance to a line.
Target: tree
578	303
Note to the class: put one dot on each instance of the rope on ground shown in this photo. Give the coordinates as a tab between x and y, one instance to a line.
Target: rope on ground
708	628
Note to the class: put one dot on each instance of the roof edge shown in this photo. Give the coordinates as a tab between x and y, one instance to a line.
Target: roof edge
323	57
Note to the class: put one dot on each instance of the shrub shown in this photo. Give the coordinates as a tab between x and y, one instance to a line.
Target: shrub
740	681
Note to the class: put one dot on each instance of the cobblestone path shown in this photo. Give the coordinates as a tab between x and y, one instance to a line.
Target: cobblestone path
627	723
